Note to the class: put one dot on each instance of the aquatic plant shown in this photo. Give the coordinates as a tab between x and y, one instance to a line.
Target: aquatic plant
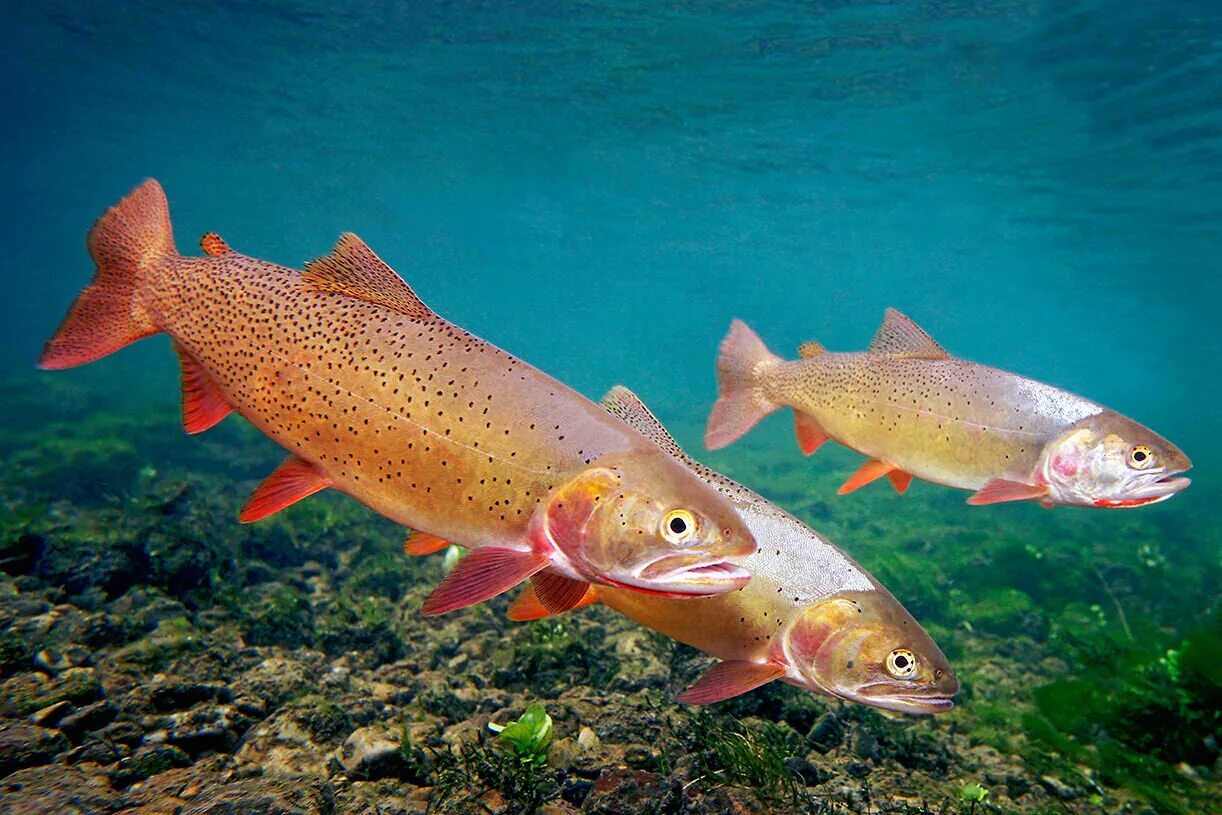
527	738
729	752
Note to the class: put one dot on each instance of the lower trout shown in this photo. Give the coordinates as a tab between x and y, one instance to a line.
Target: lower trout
810	615
917	411
374	394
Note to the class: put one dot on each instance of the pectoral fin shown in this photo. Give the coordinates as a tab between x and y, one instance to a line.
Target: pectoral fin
999	490
810	435
483	574
900	480
422	543
289	483
869	471
558	593
528	607
728	679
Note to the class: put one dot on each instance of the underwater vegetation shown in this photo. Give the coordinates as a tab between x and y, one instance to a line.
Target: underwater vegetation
156	654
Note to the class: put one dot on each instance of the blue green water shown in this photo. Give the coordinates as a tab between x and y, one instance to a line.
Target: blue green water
600	187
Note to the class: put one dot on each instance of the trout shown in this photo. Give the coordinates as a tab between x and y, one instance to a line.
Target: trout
374	394
917	411
810	616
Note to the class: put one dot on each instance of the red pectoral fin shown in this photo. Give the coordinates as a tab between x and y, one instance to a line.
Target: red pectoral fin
869	471
999	490
727	679
527	606
900	480
484	573
203	404
422	543
558	593
289	483
810	435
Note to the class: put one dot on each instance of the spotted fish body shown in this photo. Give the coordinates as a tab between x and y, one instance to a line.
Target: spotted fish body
917	411
374	394
810	616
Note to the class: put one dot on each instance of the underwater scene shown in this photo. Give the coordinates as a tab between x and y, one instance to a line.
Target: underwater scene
726	407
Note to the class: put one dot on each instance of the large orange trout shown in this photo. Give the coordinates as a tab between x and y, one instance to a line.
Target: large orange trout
374	394
810	616
917	411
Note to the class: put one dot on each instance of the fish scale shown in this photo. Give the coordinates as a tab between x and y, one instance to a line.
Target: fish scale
373	393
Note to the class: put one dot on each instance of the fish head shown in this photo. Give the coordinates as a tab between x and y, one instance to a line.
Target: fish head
648	526
1107	460
865	647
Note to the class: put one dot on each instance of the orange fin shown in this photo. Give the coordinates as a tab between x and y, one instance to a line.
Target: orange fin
214	245
527	606
422	543
740	360
354	270
900	480
558	593
869	471
728	679
999	490
810	435
898	336
481	575
203	404
810	349
289	483
131	236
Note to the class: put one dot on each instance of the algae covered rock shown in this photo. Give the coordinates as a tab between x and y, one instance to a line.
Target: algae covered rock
27	745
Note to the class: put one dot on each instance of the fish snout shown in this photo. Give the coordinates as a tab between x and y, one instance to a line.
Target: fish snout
688	576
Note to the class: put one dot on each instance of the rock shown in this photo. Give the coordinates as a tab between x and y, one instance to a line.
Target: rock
827	733
50	715
27	745
1059	788
90	717
372	752
811	774
147	762
297	740
588	740
624	791
58	660
56	789
857	769
207	727
276	679
33	691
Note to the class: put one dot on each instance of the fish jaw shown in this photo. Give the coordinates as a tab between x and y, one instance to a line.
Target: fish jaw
678	576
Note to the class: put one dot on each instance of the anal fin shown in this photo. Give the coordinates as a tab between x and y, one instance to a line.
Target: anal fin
422	543
484	573
528	607
292	481
870	471
1000	490
203	404
729	679
810	435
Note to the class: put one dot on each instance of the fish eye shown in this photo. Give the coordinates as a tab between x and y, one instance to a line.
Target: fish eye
1141	457
678	526
901	663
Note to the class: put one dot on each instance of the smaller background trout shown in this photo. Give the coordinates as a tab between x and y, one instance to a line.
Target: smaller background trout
917	411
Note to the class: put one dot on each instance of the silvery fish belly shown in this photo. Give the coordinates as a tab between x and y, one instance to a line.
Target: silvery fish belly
374	394
917	411
810	615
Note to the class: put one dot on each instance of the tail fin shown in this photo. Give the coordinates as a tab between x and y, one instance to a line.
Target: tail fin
740	361
131	236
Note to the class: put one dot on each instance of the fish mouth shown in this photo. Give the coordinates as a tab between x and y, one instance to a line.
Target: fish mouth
678	576
1149	492
917	704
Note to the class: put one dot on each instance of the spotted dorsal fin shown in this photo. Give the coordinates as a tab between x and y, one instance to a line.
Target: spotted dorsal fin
810	349
625	404
900	337
353	269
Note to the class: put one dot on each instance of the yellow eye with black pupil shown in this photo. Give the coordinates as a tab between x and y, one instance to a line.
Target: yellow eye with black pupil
901	663
1141	457
678	526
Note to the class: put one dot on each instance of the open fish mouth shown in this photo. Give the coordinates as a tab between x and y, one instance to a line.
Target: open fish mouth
1149	492
678	576
911	703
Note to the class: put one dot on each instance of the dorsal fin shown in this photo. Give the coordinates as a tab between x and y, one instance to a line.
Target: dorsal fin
899	336
214	245
625	404
354	270
810	349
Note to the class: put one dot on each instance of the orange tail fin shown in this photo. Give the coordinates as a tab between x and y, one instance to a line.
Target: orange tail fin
127	239
740	360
